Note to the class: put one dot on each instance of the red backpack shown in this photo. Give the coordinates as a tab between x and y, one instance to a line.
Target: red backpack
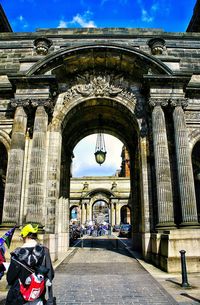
33	290
34	286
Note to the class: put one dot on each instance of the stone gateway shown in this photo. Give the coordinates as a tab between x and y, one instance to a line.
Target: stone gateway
146	85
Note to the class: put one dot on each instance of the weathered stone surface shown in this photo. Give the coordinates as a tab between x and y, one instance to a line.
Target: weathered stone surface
112	72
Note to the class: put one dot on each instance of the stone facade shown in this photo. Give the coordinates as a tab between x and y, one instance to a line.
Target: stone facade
114	191
146	85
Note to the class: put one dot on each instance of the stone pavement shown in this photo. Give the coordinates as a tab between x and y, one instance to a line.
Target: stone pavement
103	272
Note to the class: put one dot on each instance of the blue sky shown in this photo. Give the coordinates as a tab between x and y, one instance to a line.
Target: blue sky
28	15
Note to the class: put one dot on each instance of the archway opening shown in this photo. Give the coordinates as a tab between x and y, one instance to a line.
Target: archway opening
3	168
196	171
74	214
100	212
125	215
118	121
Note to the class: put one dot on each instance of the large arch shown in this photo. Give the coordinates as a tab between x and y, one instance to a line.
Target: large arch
82	57
120	84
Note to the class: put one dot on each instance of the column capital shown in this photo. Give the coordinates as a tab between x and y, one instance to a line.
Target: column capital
33	103
153	102
178	102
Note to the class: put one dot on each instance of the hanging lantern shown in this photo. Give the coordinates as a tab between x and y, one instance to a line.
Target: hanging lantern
100	150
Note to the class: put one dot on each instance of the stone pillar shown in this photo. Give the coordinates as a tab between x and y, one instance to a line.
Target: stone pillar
184	163
89	212
12	199
113	207
83	213
145	200
35	205
53	178
86	208
162	164
117	215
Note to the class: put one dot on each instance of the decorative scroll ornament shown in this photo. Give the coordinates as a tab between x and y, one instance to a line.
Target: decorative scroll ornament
48	103
153	102
179	102
100	85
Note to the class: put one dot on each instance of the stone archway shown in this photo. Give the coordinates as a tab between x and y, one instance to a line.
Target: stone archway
58	102
101	212
125	214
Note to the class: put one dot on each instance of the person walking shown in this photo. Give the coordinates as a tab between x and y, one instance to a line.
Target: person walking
31	256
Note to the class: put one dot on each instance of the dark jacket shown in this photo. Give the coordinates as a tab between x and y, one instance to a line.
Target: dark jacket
32	257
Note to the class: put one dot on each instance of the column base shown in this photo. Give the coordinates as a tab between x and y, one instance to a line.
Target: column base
189	225
160	227
166	247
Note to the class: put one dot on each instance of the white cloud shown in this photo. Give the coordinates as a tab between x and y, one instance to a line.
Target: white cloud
146	17
83	23
81	20
21	18
62	24
155	7
84	163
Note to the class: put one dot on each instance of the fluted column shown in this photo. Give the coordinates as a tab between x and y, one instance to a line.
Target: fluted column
83	213
12	199
113	212
118	215
35	204
89	212
184	163
163	175
53	177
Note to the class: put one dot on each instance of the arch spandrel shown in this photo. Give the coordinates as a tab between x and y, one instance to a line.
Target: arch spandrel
80	58
99	90
5	139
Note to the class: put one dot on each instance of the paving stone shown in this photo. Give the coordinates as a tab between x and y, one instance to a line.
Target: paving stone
106	277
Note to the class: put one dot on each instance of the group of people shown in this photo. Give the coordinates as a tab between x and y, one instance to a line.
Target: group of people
30	271
91	228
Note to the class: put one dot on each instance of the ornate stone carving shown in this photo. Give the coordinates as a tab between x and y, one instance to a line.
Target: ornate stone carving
48	103
98	85
193	116
153	102
178	102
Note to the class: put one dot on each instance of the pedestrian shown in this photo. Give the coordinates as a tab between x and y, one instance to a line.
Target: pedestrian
2	260
30	256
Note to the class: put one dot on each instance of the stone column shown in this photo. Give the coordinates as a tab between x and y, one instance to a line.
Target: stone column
117	215
35	205
162	164
113	207
184	163
12	199
53	178
89	212
83	213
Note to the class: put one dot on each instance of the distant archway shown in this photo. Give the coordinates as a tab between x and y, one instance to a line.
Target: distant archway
100	212
125	214
74	214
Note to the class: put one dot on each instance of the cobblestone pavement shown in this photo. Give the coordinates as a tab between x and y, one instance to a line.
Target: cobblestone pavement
102	273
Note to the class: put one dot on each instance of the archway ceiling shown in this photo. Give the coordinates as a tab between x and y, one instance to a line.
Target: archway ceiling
84	120
130	61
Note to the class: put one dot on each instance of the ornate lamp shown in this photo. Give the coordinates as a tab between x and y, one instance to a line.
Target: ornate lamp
100	149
